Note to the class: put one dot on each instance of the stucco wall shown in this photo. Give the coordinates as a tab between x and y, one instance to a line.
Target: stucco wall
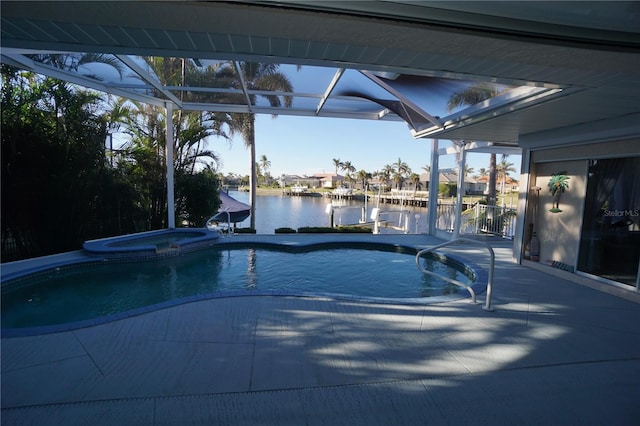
559	233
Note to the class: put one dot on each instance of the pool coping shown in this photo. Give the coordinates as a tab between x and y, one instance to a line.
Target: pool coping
479	285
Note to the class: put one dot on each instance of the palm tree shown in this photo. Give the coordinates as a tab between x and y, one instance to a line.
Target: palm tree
191	129
385	174
363	177
78	62
401	170
471	96
468	170
503	169
414	178
145	126
427	168
264	165
401	167
348	168
254	76
338	164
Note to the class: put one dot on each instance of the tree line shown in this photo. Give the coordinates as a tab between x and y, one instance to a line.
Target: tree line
61	186
397	175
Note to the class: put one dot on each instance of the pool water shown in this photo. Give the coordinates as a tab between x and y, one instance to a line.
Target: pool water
87	292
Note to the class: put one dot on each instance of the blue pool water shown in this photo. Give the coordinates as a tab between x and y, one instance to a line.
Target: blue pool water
92	291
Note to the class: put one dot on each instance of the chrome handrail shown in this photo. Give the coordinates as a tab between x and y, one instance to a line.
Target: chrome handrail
487	306
228	221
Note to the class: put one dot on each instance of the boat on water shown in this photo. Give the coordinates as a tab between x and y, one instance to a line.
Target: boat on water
299	189
230	211
342	191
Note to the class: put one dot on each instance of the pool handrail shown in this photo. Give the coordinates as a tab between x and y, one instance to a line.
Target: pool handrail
487	306
228	221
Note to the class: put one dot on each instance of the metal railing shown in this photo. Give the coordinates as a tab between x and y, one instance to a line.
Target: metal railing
209	224
403	220
487	306
498	220
479	219
445	216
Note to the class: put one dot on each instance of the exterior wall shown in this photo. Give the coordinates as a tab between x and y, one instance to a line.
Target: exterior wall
559	233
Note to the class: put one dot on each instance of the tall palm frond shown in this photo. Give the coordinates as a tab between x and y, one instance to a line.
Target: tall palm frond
73	62
470	96
337	163
256	77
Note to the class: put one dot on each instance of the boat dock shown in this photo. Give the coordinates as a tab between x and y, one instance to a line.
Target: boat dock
301	193
400	199
351	196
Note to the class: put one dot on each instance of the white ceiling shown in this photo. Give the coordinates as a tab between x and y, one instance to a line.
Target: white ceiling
590	50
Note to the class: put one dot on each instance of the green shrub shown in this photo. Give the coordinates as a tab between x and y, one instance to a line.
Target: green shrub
354	230
244	231
285	231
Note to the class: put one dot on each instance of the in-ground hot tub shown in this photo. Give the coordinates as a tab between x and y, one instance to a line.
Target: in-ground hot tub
152	244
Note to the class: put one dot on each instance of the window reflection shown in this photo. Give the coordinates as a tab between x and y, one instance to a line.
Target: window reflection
610	239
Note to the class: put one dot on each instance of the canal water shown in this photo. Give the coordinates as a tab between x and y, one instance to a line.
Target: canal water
282	211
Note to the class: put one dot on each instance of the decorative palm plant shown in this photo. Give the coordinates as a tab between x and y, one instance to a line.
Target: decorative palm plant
558	183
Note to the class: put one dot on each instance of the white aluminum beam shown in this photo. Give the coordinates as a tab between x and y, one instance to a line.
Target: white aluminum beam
432	210
236	65
327	93
148	78
26	63
433	120
170	146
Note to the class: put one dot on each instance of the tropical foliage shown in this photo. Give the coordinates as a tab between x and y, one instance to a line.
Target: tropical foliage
400	172
53	161
503	168
61	186
142	160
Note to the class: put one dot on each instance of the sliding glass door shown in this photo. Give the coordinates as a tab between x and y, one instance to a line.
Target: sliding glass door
610	238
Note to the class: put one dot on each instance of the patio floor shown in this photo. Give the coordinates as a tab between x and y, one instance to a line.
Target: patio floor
552	352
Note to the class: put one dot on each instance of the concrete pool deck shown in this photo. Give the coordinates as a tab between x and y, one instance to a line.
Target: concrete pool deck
552	352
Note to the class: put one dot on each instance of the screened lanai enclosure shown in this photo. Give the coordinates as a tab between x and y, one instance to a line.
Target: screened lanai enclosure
422	100
544	75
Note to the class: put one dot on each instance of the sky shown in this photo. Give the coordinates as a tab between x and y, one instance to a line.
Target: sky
307	145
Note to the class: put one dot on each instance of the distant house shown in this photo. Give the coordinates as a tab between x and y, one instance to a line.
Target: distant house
471	185
510	184
321	180
290	180
375	183
329	180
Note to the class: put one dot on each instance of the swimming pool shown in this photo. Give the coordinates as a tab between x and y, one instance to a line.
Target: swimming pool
99	292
